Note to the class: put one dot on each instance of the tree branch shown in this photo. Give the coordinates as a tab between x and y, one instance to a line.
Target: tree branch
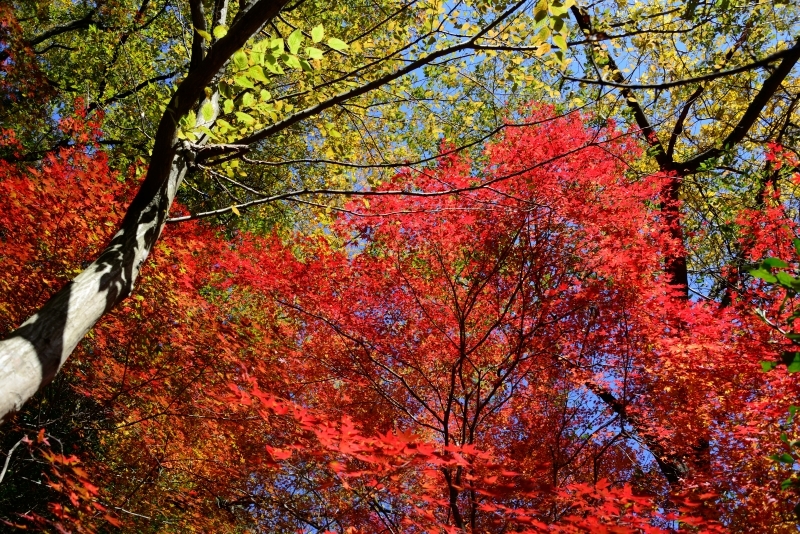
295	118
750	116
80	24
585	24
8	459
697	79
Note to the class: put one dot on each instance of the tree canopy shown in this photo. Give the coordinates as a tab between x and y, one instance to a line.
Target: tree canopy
399	266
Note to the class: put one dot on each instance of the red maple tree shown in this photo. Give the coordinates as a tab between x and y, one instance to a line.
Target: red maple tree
506	358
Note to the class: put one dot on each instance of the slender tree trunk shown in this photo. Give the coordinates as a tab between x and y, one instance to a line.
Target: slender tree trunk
34	353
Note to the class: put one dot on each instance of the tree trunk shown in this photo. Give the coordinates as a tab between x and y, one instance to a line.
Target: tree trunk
34	353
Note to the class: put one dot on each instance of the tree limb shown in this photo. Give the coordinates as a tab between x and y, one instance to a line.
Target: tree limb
300	116
696	79
80	24
8	459
750	116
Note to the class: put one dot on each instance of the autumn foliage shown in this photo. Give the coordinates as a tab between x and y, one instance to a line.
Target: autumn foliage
509	358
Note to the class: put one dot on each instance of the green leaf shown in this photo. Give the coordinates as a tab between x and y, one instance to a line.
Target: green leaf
314	53
763	274
331	128
291	61
227	106
306	66
338	44
688	13
785	279
774	263
207	111
559	41
784	458
277	45
792	361
271	62
558	10
788	483
767	366
265	96
204	34
294	40
539	25
258	74
260	46
245	118
247	100
225	90
220	31
317	33
796	243
206	131
240	60
543	36
540	11
244	81
794	336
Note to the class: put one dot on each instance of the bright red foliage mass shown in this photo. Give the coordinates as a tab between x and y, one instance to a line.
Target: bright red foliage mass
504	359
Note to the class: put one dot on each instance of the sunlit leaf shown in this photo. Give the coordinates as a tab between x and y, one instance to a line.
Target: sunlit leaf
337	44
317	33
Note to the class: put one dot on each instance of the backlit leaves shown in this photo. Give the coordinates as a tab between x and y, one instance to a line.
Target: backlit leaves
337	44
317	33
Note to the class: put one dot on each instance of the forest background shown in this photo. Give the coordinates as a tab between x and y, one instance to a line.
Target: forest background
399	266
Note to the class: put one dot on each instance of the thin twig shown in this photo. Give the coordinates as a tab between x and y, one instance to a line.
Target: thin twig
8	459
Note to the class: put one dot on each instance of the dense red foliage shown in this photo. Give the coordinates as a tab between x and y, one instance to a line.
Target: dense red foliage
504	359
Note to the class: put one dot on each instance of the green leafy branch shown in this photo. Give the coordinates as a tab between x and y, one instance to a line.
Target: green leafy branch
773	271
790	458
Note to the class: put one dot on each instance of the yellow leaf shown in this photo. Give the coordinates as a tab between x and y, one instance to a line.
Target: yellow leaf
543	49
220	31
235	211
540	11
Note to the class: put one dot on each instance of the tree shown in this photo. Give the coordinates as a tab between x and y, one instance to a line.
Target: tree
34	354
191	118
297	86
442	367
458	324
